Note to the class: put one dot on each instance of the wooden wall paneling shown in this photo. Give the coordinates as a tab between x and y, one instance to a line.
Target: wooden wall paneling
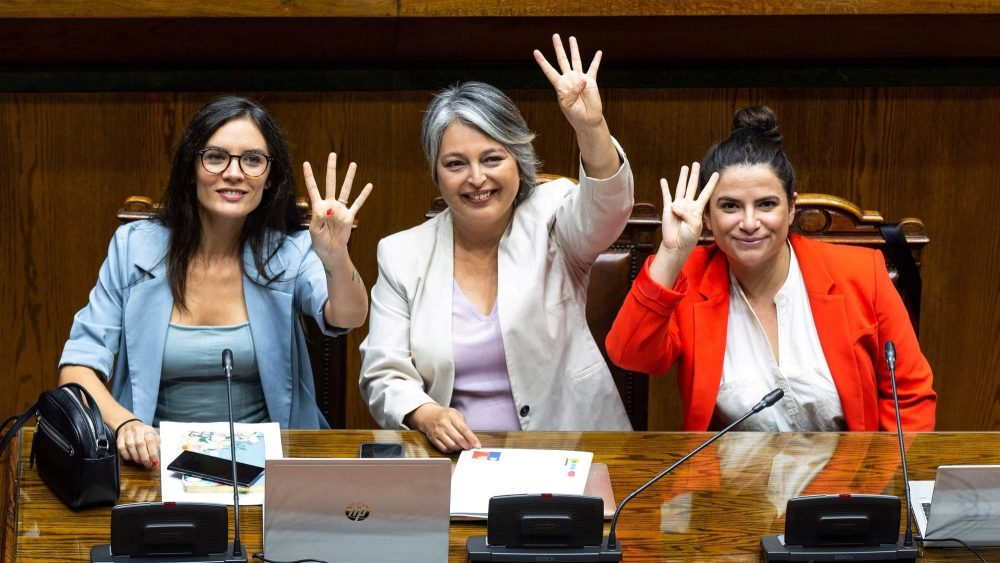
186	43
73	158
196	9
550	8
358	126
477	8
673	39
393	206
193	42
924	152
954	184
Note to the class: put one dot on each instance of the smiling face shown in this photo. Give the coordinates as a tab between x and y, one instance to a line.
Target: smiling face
478	178
750	215
231	194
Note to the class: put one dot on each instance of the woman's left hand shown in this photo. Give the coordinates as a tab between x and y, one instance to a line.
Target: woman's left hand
332	220
577	90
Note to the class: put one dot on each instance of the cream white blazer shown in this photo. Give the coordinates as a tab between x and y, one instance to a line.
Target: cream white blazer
557	375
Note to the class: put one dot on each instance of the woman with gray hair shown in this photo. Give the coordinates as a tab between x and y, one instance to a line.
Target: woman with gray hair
478	317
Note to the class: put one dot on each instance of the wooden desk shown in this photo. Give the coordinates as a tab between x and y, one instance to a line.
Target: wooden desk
714	509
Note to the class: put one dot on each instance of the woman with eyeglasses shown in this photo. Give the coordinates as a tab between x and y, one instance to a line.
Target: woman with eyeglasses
222	266
478	317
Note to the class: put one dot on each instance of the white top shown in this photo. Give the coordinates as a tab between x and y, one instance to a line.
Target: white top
750	370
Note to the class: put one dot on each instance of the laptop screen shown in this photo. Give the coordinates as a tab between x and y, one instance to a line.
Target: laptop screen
357	510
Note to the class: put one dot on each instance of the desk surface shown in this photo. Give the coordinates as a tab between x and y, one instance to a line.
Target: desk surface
713	509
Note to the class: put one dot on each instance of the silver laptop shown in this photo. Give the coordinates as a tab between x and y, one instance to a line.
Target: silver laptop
357	510
963	502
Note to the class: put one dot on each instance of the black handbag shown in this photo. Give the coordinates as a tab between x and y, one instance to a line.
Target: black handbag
76	452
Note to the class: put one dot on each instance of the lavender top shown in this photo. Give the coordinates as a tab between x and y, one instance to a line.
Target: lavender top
482	386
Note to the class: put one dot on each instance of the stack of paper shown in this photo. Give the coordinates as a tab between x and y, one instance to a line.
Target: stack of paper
481	474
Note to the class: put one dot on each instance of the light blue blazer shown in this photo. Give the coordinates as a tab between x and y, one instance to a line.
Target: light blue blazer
129	311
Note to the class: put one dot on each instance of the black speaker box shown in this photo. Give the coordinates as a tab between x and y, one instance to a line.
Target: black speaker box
168	532
545	520
842	520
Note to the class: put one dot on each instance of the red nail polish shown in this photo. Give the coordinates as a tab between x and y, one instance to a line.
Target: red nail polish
329	211
156	463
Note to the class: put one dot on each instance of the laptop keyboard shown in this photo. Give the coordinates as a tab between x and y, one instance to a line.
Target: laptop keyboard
927	510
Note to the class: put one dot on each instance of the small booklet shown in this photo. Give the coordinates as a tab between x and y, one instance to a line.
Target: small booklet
255	443
249	449
482	474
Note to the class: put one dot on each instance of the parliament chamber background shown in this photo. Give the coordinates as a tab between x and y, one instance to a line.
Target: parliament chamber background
894	106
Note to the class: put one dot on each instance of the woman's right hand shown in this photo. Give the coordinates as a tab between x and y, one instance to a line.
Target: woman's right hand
136	442
682	216
444	427
331	220
681	224
139	443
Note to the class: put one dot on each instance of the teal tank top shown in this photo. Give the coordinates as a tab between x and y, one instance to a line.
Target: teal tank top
192	383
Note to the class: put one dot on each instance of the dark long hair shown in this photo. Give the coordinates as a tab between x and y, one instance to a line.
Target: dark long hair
754	140
264	229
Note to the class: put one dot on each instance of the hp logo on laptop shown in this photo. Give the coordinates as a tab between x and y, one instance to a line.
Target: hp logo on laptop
357	511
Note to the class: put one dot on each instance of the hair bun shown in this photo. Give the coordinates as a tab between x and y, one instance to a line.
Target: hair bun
760	119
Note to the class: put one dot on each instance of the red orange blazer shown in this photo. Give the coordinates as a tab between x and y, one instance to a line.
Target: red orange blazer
854	304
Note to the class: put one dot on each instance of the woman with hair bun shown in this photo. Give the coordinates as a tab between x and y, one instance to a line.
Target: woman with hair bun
762	308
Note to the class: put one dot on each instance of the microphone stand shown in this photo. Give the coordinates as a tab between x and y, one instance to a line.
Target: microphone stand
890	360
477	548
227	366
775	548
768	400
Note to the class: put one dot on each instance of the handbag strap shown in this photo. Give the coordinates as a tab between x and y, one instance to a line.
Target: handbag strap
8	421
19	421
95	412
906	266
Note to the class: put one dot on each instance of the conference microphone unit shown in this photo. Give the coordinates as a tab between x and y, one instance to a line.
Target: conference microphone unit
561	528
177	532
848	527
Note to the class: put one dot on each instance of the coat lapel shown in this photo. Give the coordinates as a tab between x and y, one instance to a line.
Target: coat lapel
435	304
711	317
147	314
829	312
270	314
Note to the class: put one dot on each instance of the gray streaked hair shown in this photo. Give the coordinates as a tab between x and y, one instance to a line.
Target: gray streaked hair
488	109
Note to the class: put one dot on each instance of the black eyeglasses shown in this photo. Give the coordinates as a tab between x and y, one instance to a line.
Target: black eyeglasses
253	164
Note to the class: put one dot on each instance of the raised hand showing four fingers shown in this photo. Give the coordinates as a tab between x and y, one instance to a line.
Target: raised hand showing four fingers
682	215
681	224
331	220
577	90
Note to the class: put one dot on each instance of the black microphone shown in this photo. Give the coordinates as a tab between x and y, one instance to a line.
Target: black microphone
227	363
227	367
767	401
890	360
